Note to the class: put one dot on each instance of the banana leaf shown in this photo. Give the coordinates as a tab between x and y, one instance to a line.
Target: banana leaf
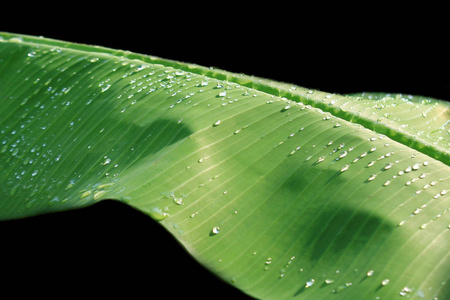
281	191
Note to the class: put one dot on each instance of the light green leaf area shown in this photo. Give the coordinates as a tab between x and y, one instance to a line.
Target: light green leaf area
282	191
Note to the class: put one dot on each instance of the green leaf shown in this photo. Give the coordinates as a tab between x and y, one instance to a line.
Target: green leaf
282	191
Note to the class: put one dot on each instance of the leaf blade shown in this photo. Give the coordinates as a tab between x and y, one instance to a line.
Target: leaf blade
184	169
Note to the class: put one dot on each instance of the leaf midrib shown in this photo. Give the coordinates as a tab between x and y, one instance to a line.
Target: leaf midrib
302	95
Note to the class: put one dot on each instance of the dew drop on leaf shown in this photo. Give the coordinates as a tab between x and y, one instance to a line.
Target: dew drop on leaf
157	214
345	168
286	108
309	283
372	177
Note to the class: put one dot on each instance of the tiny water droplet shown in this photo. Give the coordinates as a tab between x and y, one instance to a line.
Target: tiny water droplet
286	108
309	283
385	282
217	123
372	177
370	273
178	201
345	168
417	210
215	230
388	166
107	161
343	154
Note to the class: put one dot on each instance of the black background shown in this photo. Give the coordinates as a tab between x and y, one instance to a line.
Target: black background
110	249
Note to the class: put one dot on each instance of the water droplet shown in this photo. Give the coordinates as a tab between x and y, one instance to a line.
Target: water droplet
222	94
385	282
370	273
343	154
99	194
217	123
388	182
322	158
388	166
107	161
86	194
102	186
309	283
200	160
407	289
345	168
329	281
215	230
157	214
106	87
372	177
178	201
286	108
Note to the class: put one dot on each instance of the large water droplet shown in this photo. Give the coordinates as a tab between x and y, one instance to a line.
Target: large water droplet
157	214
